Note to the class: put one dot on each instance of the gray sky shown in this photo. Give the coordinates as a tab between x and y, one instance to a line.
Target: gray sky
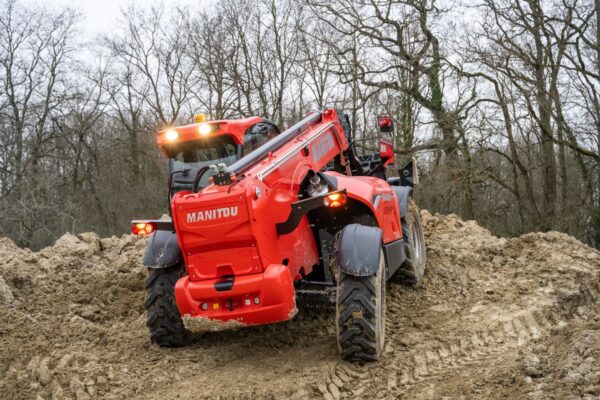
100	16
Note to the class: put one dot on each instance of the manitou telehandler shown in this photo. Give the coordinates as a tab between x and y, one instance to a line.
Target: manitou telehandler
263	221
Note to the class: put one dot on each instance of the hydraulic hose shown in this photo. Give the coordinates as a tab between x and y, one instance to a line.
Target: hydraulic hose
199	176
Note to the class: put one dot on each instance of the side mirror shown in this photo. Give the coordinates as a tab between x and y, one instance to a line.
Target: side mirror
386	145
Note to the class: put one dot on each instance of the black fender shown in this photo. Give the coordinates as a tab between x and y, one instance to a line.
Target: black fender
163	250
403	194
359	249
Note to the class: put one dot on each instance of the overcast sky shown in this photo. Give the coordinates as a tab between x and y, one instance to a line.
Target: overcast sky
100	16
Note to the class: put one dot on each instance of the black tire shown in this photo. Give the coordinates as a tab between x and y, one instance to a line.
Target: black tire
360	315
163	319
413	269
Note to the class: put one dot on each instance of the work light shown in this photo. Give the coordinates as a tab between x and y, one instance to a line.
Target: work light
205	129
172	135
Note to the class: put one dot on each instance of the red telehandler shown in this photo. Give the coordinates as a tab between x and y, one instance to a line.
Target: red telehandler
263	221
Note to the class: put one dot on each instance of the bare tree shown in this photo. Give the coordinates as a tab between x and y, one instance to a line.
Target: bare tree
405	43
35	53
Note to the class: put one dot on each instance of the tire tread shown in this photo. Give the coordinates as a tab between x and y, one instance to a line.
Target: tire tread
356	319
163	318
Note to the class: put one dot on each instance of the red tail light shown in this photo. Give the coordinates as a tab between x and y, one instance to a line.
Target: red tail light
143	228
334	200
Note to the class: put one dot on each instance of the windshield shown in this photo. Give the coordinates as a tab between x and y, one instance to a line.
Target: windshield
197	154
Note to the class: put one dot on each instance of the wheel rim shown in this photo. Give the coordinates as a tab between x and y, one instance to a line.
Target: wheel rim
417	248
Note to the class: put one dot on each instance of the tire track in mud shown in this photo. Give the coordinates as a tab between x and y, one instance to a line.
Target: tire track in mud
437	359
479	333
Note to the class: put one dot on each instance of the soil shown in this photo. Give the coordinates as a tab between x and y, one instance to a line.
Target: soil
493	318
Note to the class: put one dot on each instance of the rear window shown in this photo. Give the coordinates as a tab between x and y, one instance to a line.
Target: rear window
216	150
197	154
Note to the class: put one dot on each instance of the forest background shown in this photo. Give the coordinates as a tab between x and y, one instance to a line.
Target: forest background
498	100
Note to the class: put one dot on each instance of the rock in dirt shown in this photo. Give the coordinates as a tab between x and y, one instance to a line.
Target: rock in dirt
6	295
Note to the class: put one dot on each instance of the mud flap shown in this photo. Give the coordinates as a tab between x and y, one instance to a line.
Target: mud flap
359	249
403	194
162	251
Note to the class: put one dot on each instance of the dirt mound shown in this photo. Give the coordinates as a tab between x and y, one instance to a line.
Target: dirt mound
494	317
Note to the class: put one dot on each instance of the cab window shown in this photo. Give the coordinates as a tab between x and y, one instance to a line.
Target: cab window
205	152
196	154
259	134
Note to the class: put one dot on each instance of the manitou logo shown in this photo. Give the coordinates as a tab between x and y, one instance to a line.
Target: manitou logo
209	215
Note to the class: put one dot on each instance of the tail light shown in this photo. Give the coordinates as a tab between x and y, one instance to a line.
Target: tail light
143	228
334	200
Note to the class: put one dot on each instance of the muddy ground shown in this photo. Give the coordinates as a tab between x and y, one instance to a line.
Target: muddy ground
494	318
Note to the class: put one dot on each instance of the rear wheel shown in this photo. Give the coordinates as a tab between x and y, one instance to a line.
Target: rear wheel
413	269
163	318
360	315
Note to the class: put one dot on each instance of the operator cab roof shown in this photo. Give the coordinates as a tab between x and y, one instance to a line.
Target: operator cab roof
233	127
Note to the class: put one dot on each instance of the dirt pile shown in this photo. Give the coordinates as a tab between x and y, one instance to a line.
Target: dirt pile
494	317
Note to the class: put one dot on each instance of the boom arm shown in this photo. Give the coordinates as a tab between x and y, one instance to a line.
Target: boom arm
254	156
318	121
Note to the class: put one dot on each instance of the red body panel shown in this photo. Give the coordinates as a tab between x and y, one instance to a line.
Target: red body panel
274	288
230	231
379	197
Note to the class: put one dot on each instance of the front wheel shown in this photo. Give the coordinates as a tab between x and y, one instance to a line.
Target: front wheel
360	315
163	318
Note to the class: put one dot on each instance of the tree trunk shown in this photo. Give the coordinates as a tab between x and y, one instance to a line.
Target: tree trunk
545	125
